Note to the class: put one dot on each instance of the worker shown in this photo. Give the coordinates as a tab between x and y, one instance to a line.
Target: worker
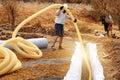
110	23
60	18
106	24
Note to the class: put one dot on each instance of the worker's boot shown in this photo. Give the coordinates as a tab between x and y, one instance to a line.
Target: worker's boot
53	48
60	47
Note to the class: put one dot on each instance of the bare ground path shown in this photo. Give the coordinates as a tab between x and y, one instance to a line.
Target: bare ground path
55	64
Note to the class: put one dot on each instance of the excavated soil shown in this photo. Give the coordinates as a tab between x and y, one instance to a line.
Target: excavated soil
53	65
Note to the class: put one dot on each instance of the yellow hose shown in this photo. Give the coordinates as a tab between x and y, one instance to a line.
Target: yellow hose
24	47
32	17
10	62
81	42
28	49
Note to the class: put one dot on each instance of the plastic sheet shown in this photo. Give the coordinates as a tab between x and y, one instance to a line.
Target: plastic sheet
97	69
74	73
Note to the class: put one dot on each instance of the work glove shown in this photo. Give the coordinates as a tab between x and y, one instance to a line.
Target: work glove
75	20
61	7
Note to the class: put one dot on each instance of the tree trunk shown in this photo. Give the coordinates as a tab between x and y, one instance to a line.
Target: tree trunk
8	18
119	25
13	17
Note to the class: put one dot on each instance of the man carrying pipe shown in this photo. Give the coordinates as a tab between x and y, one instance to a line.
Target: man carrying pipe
60	18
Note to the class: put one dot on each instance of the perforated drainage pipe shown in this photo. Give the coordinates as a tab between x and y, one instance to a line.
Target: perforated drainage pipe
97	69
8	61
30	50
75	70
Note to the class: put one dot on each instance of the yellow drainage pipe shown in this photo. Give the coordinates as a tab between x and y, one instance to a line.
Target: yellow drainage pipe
8	59
9	62
81	42
75	24
26	46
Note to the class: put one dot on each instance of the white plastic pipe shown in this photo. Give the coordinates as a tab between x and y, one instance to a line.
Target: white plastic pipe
7	46
75	70
39	42
97	69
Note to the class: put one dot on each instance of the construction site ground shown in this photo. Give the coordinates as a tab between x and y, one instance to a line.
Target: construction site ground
53	65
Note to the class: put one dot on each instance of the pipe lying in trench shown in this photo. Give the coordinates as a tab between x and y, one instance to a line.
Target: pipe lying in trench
97	69
31	48
75	70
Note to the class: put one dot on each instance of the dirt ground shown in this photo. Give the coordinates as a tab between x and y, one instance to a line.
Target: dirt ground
56	63
53	65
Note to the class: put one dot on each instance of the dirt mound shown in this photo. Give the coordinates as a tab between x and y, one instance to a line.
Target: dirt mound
26	32
114	56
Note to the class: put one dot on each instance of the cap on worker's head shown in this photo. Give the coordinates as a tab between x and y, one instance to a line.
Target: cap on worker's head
65	5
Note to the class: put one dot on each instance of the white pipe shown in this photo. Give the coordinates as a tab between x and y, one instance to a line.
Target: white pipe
7	46
97	69
39	42
75	70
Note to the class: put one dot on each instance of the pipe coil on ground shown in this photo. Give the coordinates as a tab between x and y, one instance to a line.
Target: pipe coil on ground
24	47
8	61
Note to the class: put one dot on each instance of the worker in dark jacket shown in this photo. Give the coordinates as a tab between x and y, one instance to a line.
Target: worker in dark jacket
106	24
